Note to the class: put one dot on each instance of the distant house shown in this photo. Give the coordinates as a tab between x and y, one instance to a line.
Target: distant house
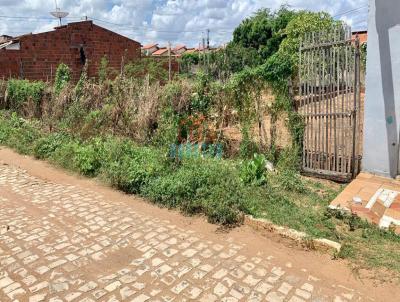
5	38
36	56
362	36
149	49
180	49
161	52
191	50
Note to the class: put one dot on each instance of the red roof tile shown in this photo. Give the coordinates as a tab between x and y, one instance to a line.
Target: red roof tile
179	46
148	46
160	52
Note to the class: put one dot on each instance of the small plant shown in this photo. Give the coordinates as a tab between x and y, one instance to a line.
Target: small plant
247	146
346	251
253	172
290	180
47	145
87	158
19	134
63	76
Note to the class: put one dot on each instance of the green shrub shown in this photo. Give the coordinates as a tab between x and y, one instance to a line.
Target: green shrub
83	157
103	72
5	128
88	157
346	251
129	167
253	171
200	185
63	76
47	145
18	133
290	180
289	159
155	70
20	91
64	155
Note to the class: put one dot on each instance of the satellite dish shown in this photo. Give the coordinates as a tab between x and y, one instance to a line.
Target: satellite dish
58	13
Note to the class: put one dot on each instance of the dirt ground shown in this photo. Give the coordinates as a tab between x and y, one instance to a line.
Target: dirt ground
270	270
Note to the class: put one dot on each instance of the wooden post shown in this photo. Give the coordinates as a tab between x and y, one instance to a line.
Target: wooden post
355	92
169	62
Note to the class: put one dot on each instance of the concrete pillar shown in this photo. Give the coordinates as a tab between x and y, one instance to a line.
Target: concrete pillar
382	104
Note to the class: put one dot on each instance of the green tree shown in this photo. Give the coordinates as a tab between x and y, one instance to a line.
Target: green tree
304	22
264	31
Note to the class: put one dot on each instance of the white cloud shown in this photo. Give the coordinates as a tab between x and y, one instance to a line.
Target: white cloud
178	21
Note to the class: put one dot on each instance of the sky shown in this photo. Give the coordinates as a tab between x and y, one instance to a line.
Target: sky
160	21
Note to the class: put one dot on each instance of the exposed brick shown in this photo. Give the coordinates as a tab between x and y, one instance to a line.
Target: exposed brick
40	54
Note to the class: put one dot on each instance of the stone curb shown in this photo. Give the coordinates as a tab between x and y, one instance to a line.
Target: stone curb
266	226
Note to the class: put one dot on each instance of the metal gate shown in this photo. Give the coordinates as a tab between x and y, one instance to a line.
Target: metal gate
329	89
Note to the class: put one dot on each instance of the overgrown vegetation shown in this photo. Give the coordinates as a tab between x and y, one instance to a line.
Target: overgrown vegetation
19	92
63	76
223	190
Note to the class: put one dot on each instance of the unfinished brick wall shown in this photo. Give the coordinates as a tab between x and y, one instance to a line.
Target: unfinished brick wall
72	44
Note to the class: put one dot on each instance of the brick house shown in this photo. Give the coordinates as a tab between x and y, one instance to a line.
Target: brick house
36	56
362	36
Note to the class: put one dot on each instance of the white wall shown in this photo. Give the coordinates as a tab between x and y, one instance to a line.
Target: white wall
382	105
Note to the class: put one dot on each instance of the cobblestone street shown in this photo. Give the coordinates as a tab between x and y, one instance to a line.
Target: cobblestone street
63	242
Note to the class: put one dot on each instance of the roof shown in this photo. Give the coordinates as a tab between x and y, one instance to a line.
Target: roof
148	46
191	50
360	32
179	46
73	24
160	52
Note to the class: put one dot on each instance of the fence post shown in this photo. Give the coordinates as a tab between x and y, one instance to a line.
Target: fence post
169	62
356	93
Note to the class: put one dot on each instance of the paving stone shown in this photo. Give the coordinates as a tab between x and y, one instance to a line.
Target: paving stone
126	292
128	278
180	287
220	289
209	298
263	287
296	299
29	280
39	286
251	281
308	287
38	298
141	298
285	288
5	282
58	287
220	274
68	250
113	286
16	293
72	296
303	294
193	293
274	297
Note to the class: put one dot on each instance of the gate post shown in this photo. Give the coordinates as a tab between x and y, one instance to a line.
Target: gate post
355	105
